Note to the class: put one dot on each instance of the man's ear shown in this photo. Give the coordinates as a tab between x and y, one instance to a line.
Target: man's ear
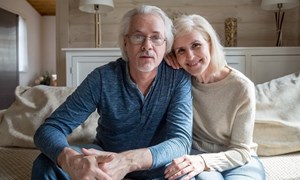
125	42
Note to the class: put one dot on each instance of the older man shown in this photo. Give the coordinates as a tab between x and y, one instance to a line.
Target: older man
145	110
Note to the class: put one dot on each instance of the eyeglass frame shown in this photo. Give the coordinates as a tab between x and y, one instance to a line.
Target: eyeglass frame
142	41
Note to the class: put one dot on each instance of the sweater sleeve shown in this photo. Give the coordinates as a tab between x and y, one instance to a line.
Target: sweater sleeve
178	128
51	136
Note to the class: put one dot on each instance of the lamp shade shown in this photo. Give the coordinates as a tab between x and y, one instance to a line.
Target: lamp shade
271	5
89	5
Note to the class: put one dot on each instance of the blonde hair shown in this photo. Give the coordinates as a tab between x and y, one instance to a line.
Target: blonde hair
186	23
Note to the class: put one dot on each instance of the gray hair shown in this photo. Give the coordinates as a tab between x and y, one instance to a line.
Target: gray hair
145	9
186	23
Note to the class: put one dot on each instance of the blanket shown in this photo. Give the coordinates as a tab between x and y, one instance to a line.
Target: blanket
277	125
32	106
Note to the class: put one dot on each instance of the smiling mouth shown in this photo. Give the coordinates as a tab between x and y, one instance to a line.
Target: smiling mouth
193	63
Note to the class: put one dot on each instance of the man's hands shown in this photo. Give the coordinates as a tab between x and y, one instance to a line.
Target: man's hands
94	164
84	167
122	163
187	166
116	169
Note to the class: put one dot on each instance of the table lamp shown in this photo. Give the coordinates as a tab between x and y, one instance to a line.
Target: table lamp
278	6
97	7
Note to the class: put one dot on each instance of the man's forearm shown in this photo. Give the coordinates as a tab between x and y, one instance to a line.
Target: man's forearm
140	159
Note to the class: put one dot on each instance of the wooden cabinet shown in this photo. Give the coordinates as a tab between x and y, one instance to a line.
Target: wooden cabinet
260	64
80	62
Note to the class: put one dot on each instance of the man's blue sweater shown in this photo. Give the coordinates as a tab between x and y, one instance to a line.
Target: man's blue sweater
161	120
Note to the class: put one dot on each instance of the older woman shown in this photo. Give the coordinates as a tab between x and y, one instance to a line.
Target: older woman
224	108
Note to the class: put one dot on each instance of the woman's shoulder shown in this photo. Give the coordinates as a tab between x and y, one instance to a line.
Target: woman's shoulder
240	83
240	78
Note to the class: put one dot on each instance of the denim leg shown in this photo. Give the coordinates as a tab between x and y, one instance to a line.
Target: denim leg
253	170
46	169
209	175
153	174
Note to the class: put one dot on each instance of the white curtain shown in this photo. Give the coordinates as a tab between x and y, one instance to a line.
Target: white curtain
22	45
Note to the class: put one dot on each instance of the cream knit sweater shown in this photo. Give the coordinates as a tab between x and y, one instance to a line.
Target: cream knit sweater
224	114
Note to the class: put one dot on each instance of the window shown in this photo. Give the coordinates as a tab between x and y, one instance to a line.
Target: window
22	45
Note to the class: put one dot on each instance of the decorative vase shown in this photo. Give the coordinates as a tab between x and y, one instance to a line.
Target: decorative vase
231	32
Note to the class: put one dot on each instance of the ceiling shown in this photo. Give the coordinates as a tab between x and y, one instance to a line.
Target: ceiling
44	7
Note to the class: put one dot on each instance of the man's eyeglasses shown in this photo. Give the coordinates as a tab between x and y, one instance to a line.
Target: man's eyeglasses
140	39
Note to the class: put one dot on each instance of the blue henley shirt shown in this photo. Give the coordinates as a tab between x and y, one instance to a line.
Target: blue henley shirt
161	120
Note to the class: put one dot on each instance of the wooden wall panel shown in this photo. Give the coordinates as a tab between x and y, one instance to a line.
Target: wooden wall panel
256	27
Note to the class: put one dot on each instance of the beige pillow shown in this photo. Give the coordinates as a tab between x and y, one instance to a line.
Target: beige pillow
32	106
277	124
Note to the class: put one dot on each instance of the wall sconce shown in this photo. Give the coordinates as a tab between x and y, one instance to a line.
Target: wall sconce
278	6
97	7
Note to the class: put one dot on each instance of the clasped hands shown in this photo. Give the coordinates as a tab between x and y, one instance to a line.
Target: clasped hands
93	164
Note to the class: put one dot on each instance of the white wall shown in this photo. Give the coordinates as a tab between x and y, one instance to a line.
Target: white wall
33	22
48	44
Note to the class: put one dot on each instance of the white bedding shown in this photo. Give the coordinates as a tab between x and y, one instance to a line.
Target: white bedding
277	126
32	106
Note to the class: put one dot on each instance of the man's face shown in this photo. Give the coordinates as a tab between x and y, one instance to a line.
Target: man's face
145	43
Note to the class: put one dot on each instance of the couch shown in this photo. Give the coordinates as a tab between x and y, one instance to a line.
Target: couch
277	127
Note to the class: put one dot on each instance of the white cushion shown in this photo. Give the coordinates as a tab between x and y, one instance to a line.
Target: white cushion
277	125
32	106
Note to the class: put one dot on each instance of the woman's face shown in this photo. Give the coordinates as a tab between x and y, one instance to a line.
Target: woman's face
192	52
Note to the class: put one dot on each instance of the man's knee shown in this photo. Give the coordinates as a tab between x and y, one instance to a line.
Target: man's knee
44	168
40	162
